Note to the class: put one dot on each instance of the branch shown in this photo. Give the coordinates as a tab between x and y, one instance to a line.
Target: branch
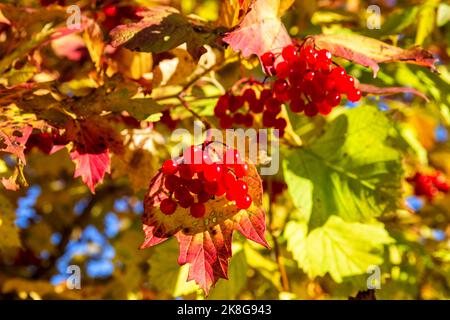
278	257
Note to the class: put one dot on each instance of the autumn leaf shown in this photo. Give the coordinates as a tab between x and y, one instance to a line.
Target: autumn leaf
161	29
15	143
260	31
92	141
371	89
205	244
370	52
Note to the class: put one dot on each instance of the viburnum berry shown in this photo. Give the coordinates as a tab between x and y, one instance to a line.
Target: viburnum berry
198	210
168	206
244	202
429	185
169	167
268	59
193	184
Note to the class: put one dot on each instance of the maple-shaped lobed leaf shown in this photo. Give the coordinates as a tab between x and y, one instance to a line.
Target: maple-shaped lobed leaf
205	243
15	142
162	29
260	31
92	140
370	52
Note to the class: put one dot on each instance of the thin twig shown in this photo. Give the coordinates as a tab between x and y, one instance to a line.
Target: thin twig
279	259
185	104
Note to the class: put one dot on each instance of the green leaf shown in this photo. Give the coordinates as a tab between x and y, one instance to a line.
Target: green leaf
426	20
166	275
140	108
397	22
237	278
9	240
443	15
339	248
350	171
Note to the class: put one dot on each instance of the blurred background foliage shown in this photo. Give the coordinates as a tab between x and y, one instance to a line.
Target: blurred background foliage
54	221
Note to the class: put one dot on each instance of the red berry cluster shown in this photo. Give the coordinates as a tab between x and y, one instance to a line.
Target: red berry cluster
429	185
305	78
308	79
196	178
241	109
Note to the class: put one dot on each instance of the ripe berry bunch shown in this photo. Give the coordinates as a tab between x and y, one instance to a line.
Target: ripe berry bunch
199	175
429	185
241	109
308	80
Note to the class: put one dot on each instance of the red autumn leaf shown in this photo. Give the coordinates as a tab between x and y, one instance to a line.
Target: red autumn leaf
92	141
205	243
260	31
15	142
368	88
369	52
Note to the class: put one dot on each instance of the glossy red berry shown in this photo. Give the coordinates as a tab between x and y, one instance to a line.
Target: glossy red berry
282	70
241	170
168	206
172	182
213	172
268	59
169	167
290	53
198	210
244	202
354	95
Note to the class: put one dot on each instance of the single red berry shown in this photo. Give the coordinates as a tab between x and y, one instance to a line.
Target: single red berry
310	76
240	187
198	210
290	53
282	70
186	171
324	108
268	59
203	196
248	120
311	109
212	172
241	170
354	95
257	106
195	186
172	182
280	124
324	59
244	202
249	95
297	105
169	167
236	102
273	105
268	119
226	122
333	98
264	95
168	206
